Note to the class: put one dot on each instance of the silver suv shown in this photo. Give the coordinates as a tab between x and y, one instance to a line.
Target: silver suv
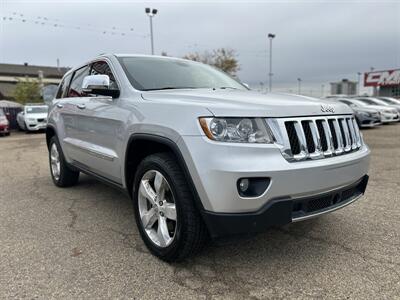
198	152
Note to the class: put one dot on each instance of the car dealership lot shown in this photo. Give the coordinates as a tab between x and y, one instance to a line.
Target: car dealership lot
82	242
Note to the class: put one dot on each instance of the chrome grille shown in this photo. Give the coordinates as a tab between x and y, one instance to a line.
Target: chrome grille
316	137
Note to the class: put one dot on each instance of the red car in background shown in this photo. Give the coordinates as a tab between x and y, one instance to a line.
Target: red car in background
4	123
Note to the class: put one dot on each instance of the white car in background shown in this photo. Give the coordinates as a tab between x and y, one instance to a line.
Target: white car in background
376	101
388	114
33	118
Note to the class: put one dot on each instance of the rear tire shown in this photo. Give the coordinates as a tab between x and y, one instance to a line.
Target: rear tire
61	173
188	234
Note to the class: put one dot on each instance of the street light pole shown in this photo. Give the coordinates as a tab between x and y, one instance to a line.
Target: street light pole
299	85
271	37
151	13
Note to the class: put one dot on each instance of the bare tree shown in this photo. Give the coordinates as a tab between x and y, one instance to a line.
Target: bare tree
224	59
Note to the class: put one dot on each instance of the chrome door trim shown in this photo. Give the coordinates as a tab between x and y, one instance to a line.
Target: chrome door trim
95	153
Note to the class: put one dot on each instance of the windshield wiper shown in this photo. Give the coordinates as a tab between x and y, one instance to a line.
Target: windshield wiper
170	88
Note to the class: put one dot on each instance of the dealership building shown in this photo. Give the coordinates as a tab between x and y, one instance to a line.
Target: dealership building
384	83
344	87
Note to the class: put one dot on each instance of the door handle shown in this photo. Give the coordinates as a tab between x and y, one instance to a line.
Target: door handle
59	105
81	106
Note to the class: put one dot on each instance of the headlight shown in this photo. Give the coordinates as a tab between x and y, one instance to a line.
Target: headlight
237	130
3	121
365	114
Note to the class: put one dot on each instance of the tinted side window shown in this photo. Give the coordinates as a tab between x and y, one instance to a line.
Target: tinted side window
102	68
75	89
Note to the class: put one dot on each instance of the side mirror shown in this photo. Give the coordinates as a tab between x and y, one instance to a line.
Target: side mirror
98	85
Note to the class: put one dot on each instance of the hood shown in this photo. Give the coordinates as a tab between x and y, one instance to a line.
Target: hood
383	108
243	103
364	109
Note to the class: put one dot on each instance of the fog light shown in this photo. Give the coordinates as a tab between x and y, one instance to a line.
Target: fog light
243	185
252	187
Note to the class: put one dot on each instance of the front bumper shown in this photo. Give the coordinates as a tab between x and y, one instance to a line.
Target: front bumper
4	129
36	126
390	118
371	121
279	212
216	167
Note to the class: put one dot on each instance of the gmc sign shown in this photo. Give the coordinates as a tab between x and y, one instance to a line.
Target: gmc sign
382	78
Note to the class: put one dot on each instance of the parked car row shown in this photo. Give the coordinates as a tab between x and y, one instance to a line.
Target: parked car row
33	117
372	111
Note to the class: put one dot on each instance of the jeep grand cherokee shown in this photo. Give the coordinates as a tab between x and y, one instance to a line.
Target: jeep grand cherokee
198	152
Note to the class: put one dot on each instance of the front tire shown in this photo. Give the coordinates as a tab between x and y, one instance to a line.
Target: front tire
61	173
168	222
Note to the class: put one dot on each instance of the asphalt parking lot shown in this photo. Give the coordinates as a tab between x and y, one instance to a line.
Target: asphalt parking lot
82	242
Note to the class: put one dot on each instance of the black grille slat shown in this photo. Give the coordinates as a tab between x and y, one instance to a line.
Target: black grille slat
308	135
342	132
334	137
322	135
350	135
293	139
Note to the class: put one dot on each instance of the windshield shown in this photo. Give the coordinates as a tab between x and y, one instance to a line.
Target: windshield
156	73
379	102
357	102
388	101
370	101
36	109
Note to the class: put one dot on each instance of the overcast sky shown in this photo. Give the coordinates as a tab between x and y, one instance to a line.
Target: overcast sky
318	41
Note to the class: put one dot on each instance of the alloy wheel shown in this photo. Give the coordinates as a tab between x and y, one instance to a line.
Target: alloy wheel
157	208
55	161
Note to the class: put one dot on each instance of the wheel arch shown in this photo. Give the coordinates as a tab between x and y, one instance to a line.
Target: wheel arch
141	145
50	132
